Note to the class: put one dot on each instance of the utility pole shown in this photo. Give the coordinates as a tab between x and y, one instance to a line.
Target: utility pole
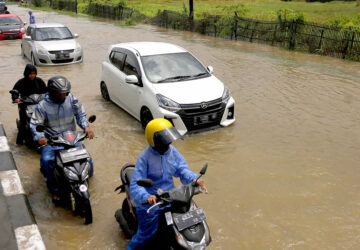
191	9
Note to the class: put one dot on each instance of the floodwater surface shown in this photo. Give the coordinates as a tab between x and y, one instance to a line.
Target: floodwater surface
285	175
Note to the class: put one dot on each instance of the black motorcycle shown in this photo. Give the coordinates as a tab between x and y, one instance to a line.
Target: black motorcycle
182	225
26	109
73	168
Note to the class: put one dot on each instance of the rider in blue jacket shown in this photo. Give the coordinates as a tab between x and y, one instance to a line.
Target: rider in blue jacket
160	161
57	112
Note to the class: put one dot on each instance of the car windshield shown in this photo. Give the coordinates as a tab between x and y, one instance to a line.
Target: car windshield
53	33
172	67
9	20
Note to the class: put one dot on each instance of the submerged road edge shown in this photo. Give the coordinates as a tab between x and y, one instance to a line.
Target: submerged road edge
18	225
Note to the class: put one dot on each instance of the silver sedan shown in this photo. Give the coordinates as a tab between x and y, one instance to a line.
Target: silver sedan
51	44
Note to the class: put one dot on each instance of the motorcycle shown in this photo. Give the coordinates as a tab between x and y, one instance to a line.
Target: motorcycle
73	168
182	224
26	106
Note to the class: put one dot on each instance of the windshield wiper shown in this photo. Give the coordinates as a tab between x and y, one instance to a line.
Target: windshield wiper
200	74
173	78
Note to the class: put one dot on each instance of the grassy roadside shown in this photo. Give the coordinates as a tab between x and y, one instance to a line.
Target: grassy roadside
256	9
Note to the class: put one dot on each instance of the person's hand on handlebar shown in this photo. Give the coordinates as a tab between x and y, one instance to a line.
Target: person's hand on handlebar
43	141
200	183
89	132
17	100
151	199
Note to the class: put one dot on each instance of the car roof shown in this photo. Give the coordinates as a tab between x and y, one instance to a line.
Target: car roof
151	48
46	25
8	15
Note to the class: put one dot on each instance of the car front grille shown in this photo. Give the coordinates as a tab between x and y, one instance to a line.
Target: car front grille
54	52
62	61
202	115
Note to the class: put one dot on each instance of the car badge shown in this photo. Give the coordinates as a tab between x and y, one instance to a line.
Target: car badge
203	105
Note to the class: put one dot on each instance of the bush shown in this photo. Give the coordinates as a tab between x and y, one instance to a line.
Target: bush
285	15
37	3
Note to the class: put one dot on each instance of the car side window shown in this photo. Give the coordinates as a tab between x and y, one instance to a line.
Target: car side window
117	59
130	66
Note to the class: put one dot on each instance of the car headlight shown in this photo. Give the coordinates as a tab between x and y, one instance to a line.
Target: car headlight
40	50
71	175
22	29
226	95
167	103
78	47
85	171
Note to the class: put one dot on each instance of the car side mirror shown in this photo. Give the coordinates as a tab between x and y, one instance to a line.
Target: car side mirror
132	79
210	69
25	23
76	35
145	183
92	118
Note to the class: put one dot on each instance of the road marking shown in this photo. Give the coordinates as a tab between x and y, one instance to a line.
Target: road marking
10	182
3	144
29	237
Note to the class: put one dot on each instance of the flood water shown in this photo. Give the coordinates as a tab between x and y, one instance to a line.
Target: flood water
284	176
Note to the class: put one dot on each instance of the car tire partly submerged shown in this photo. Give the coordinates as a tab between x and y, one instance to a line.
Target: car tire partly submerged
145	117
33	61
104	91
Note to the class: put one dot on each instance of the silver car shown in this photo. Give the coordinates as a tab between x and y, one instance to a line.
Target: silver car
51	44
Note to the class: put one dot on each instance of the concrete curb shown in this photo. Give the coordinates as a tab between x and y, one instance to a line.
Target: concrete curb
17	220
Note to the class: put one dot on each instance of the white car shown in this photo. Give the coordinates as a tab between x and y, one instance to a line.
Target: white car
161	80
51	44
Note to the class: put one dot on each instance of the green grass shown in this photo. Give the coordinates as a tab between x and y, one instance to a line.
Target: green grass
257	9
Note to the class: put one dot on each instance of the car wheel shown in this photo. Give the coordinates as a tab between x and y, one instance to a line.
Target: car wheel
33	59
145	117
22	52
104	91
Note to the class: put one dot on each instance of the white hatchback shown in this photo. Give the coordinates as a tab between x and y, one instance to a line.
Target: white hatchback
161	80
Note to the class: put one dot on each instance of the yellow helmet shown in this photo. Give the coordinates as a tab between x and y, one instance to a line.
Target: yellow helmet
161	131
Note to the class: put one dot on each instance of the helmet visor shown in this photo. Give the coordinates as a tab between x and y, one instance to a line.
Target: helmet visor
166	136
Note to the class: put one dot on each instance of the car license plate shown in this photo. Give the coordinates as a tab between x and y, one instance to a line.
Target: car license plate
189	219
62	55
203	119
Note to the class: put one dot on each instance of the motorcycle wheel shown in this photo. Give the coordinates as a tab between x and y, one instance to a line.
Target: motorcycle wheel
88	212
128	233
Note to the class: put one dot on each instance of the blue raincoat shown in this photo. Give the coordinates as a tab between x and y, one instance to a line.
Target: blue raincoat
60	118
160	169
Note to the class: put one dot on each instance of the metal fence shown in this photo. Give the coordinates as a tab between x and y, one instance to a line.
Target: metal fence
313	38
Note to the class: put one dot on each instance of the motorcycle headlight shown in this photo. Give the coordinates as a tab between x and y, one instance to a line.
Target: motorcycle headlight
40	50
71	175
226	95
85	172
78	47
167	103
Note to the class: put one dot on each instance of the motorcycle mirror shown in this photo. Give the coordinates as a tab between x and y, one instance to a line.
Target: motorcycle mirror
13	91
203	170
145	183
40	128
92	118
